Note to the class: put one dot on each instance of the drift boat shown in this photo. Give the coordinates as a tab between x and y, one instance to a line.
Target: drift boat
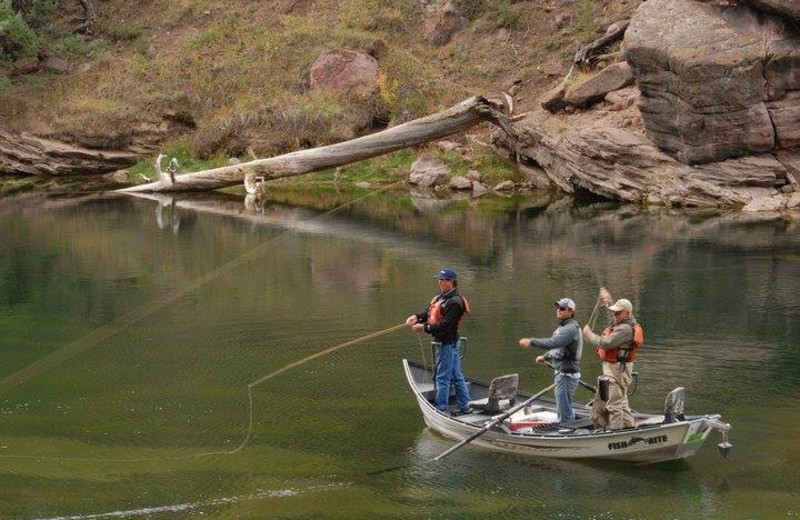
532	431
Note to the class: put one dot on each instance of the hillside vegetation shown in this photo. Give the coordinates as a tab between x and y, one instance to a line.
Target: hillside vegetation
233	75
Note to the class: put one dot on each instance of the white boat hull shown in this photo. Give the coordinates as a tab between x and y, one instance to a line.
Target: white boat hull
653	443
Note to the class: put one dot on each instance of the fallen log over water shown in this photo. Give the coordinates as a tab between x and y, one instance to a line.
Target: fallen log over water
451	121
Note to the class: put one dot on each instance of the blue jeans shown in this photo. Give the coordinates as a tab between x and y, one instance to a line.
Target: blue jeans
566	385
448	369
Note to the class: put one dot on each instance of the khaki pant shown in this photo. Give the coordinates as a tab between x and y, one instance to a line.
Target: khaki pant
614	412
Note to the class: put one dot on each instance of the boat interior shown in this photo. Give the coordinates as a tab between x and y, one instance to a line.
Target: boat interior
538	418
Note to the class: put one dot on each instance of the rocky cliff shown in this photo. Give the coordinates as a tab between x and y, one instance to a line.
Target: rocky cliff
713	120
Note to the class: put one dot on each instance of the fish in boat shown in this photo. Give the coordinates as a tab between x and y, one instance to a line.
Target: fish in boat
532	429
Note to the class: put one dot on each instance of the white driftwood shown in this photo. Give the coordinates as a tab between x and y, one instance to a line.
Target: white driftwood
453	120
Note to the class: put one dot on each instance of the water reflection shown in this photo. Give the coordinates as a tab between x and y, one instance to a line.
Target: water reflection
248	292
172	219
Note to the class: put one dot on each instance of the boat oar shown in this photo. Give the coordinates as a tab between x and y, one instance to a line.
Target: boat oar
492	423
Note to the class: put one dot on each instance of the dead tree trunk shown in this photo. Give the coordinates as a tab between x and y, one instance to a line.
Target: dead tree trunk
453	120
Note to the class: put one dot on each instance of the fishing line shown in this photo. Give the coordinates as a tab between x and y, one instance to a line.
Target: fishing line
290	366
126	320
594	314
117	325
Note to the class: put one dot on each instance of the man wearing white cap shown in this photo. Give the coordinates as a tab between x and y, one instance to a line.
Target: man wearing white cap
564	349
617	347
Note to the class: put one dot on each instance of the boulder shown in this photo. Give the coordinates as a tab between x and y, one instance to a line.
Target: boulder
428	171
25	66
504	186
441	23
553	100
613	77
479	189
55	65
716	81
460	183
346	72
788	8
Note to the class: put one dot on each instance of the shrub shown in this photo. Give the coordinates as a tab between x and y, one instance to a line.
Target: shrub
4	82
17	39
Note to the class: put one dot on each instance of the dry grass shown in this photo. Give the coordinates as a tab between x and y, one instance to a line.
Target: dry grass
240	69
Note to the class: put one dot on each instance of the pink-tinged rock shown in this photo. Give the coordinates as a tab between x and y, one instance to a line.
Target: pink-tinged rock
346	72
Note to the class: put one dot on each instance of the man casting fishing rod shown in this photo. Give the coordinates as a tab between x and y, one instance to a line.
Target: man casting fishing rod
616	347
564	348
442	320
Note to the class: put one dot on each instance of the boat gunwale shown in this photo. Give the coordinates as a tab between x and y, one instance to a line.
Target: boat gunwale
407	364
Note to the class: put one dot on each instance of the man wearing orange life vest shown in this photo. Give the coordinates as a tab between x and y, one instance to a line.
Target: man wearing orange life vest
442	319
616	347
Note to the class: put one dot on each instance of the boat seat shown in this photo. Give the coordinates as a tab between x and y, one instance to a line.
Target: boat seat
673	405
502	391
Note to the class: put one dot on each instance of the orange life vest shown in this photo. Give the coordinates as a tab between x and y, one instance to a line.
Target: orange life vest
435	313
620	354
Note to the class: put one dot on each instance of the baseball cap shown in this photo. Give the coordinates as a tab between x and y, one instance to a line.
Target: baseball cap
446	274
621	305
566	302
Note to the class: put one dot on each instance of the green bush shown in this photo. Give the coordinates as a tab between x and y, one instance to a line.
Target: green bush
17	39
4	82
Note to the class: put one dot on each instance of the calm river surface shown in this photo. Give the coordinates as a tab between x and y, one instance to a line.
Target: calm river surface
130	330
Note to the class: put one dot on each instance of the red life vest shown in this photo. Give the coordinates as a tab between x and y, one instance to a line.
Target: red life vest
618	354
435	313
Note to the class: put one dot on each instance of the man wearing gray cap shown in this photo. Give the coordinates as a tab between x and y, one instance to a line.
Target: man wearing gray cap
616	347
564	349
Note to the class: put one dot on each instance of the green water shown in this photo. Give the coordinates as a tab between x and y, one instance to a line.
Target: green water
130	332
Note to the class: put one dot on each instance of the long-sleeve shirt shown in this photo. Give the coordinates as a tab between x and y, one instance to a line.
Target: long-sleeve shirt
452	310
621	335
564	347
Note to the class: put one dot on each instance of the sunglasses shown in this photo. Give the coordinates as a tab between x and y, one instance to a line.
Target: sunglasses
564	309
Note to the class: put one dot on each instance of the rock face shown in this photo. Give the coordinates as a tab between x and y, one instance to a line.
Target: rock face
441	23
28	155
716	81
347	72
604	153
788	8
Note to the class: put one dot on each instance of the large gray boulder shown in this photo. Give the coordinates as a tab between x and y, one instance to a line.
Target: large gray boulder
787	8
428	171
716	81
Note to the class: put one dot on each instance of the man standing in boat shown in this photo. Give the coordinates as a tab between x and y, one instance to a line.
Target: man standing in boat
442	320
564	349
617	347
